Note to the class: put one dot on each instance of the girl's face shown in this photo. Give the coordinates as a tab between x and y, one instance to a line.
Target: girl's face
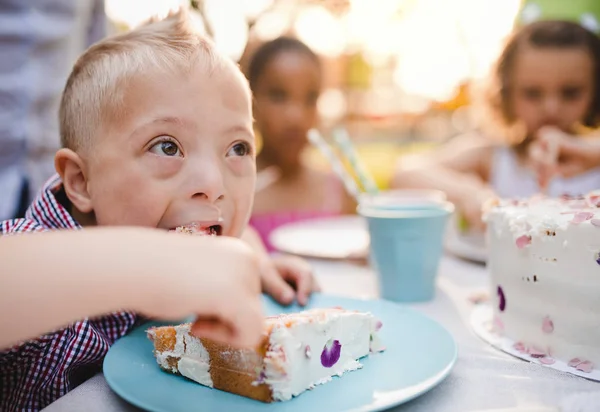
551	87
286	94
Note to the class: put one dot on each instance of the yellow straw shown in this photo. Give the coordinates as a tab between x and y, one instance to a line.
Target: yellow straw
319	142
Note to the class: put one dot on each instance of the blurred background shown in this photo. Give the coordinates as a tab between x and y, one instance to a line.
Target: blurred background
401	76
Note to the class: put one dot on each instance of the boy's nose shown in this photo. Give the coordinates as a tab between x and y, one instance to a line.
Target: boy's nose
207	183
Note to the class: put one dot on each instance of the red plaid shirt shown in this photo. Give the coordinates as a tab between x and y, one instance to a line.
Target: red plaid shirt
38	372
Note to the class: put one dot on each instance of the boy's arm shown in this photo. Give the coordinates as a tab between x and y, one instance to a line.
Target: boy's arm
54	278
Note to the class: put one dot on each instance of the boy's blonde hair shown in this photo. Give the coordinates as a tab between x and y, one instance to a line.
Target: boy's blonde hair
94	90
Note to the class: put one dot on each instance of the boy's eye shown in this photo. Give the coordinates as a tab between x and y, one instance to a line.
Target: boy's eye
240	149
166	148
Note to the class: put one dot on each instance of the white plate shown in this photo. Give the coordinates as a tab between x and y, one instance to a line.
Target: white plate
346	237
481	322
340	237
470	246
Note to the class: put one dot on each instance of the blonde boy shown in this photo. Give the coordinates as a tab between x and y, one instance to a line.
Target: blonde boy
156	128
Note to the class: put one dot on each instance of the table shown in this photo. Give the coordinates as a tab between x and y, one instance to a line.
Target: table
483	379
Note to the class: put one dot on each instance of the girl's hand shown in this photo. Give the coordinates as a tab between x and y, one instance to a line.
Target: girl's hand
556	153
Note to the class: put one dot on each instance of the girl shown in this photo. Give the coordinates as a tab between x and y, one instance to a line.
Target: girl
285	78
547	79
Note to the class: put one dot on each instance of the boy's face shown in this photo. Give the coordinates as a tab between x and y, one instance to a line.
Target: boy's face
551	87
181	152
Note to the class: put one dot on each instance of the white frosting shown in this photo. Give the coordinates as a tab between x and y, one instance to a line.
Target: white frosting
196	370
194	360
551	283
293	362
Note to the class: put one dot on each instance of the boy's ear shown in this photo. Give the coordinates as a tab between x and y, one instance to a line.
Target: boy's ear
70	167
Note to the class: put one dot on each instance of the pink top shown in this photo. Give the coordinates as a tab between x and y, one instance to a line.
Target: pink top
265	223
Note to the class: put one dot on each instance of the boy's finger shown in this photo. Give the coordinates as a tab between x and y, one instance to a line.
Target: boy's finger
211	328
303	281
242	325
251	323
316	287
275	286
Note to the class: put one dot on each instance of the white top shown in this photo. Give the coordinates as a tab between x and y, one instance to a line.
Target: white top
509	178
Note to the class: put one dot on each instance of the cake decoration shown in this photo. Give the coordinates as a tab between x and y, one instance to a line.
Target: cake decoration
501	299
523	241
585	366
546	360
520	347
331	353
581	217
498	325
536	352
547	325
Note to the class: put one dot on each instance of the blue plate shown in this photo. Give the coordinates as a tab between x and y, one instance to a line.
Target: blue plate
419	355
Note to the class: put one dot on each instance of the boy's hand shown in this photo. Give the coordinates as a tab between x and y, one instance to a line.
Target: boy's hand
286	278
282	277
217	279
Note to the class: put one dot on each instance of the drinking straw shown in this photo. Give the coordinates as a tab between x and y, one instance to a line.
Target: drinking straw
319	142
343	141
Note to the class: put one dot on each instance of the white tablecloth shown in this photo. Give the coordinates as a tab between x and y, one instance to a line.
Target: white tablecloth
483	379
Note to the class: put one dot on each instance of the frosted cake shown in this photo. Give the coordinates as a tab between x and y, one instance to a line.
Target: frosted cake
298	351
544	262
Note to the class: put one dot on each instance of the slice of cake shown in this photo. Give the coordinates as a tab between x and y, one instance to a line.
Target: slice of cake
299	351
544	262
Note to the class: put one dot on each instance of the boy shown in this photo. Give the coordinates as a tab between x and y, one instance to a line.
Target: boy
156	129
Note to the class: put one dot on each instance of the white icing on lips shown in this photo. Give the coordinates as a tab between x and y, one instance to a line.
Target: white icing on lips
289	371
567	286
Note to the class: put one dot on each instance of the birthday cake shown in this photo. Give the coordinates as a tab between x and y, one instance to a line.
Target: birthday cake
544	262
298	351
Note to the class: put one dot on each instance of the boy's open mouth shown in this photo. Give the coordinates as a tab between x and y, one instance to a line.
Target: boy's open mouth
199	229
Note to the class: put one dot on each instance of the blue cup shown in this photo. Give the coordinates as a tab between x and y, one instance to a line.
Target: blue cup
406	246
